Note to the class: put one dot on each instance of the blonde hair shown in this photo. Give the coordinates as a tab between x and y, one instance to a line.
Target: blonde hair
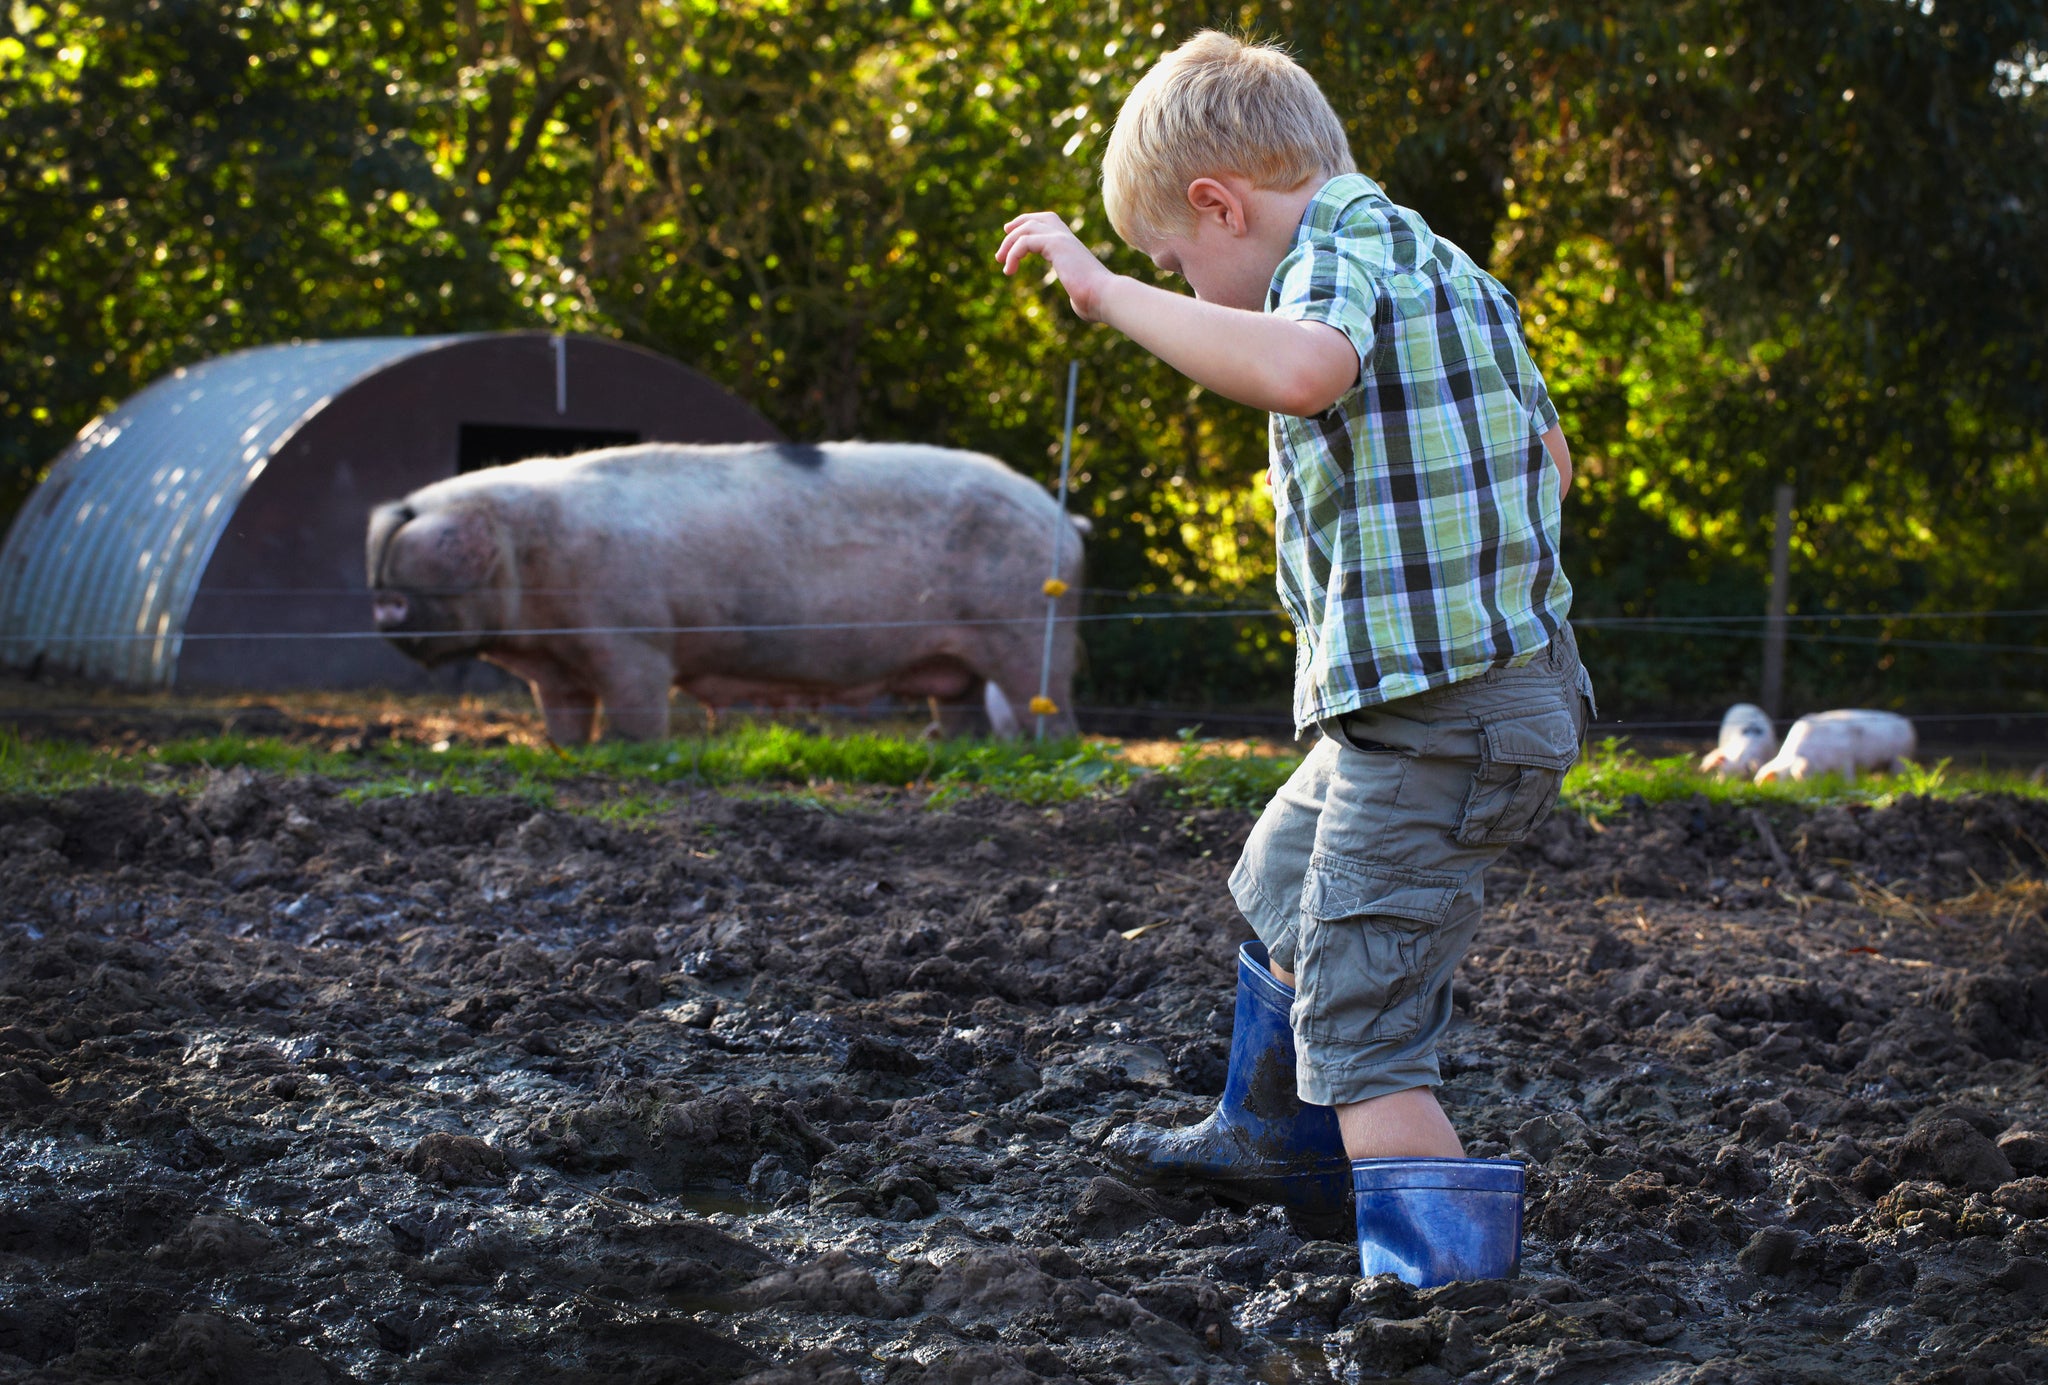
1212	106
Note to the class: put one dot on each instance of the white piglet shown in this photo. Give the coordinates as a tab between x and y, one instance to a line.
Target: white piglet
1843	742
1747	740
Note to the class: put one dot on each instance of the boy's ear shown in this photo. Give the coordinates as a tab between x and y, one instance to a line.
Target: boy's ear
1217	201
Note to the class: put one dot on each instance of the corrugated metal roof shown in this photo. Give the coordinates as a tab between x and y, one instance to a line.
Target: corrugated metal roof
101	565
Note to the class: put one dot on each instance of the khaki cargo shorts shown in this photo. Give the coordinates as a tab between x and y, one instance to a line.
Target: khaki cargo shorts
1363	875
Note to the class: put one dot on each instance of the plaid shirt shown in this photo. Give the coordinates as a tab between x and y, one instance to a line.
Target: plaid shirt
1417	517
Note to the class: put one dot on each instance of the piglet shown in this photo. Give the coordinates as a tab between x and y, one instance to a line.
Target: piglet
1747	740
1844	742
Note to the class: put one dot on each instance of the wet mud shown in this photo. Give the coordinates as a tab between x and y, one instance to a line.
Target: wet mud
300	1089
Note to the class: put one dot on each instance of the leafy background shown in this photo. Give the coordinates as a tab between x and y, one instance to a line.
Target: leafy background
1754	244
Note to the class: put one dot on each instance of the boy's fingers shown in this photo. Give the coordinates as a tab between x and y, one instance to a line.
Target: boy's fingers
1011	238
1019	246
1010	243
1035	233
1049	224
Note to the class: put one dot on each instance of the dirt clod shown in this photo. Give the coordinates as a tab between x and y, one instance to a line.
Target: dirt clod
1950	1151
455	1159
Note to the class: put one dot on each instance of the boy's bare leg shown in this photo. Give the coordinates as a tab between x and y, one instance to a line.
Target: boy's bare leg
1401	1125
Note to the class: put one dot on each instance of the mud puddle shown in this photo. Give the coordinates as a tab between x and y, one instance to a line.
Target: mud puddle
447	1089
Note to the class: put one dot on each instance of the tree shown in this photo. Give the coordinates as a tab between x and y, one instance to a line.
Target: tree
1752	245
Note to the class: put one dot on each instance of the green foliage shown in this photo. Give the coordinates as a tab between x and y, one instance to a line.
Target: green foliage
1754	244
1224	781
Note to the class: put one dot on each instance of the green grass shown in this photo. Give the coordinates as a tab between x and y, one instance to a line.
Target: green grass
749	754
1610	773
625	781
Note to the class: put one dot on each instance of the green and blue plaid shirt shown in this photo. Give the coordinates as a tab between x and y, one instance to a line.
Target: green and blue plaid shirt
1417	517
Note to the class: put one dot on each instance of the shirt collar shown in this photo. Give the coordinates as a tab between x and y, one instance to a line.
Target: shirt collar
1327	207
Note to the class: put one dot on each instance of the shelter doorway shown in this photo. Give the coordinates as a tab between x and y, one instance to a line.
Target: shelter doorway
481	445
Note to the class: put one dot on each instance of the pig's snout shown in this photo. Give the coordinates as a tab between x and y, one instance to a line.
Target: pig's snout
389	609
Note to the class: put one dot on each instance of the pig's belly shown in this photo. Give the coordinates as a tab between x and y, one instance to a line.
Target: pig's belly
941	676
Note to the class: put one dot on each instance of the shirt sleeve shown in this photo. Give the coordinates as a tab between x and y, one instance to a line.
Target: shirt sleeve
1318	282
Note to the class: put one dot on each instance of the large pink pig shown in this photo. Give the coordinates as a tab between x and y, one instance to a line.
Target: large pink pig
755	572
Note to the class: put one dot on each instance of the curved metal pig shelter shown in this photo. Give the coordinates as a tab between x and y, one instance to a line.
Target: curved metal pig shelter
209	531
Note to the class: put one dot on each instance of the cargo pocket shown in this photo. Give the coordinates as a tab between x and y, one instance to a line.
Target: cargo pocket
1370	935
1522	760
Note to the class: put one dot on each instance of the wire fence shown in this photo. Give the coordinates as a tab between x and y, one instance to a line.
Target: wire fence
1165	720
791	627
1730	626
1711	627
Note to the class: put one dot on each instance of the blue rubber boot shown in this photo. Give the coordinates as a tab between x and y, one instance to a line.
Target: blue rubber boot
1431	1221
1263	1143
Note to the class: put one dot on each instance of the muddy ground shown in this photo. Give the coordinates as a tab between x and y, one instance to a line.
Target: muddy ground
298	1089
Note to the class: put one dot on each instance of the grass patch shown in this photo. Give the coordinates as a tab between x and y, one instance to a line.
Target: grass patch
747	754
1610	774
229	750
624	781
1203	777
52	766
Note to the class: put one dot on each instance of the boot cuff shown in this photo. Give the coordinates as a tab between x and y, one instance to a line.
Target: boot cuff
1253	976
1458	1175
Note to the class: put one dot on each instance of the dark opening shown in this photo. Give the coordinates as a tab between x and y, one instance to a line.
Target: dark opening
479	445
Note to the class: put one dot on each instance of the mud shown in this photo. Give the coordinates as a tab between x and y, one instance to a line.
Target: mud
300	1089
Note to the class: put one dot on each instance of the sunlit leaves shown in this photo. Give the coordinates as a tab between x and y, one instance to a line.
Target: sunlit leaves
1731	274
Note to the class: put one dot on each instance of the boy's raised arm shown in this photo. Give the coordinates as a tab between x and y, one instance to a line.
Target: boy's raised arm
1271	363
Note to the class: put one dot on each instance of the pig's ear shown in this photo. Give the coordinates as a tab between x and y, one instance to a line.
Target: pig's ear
385	521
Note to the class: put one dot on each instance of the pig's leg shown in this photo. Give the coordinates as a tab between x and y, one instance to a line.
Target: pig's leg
1015	679
1002	718
633	682
568	708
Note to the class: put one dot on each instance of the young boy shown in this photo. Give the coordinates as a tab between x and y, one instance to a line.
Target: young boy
1417	468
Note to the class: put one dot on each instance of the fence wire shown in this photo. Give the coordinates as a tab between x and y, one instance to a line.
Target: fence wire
1707	627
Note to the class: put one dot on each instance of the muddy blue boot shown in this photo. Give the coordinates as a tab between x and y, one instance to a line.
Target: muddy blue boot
1263	1143
1431	1221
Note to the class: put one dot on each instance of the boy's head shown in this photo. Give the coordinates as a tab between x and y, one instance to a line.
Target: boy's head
1215	106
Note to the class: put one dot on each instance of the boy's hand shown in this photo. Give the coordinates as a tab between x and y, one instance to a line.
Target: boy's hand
1079	272
1272	363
